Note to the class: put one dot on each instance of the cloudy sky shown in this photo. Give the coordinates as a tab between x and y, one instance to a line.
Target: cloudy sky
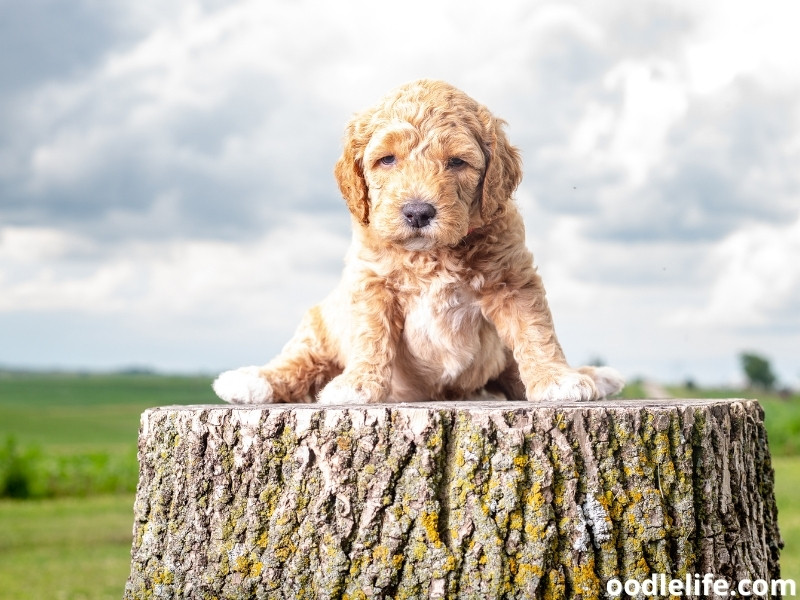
167	197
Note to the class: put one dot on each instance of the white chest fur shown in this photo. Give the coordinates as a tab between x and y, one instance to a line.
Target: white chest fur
445	332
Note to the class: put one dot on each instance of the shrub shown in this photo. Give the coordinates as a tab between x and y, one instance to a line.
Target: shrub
30	473
14	471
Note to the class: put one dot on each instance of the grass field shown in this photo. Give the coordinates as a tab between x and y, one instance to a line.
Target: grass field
80	430
88	412
67	435
787	482
65	548
77	548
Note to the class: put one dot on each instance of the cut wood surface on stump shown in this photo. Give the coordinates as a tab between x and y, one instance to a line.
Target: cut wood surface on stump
449	500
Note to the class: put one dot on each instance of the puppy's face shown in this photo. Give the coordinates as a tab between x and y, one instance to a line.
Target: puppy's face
425	166
424	181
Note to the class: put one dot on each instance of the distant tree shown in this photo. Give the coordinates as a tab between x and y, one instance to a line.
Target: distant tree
597	361
757	370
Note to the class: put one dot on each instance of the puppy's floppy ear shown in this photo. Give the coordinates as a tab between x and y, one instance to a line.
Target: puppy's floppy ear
349	170
503	169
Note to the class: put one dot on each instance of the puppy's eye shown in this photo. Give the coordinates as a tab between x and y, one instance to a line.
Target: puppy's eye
388	160
455	163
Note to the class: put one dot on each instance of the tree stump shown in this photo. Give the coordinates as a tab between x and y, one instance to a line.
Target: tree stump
449	500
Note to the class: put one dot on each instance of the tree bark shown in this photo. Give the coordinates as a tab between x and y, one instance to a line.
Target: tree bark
449	500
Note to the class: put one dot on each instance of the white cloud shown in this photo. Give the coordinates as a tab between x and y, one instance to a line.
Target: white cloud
757	278
257	282
654	98
739	38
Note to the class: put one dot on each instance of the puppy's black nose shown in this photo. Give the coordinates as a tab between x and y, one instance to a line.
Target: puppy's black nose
419	214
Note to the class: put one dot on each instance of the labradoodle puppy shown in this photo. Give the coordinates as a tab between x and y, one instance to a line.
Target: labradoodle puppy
439	298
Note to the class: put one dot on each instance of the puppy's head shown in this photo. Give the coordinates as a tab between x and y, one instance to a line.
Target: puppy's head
426	165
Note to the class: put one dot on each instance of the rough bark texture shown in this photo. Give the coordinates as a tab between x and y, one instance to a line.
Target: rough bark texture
449	500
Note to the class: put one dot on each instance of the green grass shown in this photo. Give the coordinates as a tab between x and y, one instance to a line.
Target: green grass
787	482
88	412
68	435
75	435
633	389
65	549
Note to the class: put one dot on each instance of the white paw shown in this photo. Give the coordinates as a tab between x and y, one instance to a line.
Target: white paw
568	387
243	386
339	391
608	381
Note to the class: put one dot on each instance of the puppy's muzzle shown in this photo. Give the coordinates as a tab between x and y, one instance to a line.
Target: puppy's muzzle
418	214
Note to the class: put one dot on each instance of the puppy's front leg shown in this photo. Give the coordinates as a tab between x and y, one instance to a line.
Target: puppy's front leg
305	364
369	349
522	317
